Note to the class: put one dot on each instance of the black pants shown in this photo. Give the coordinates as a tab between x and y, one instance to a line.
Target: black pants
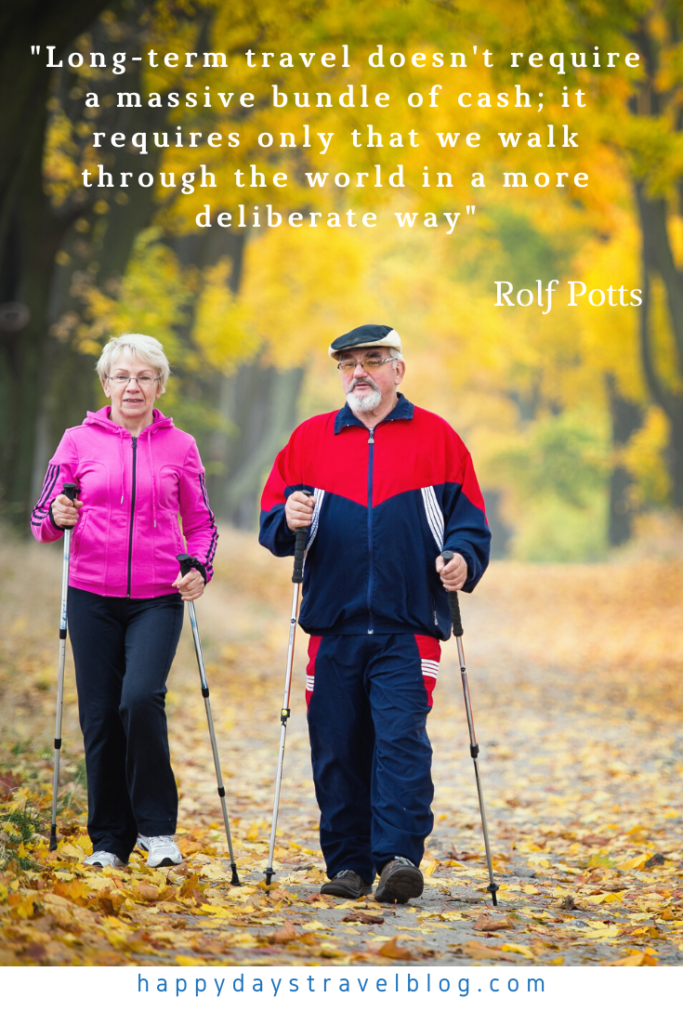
123	651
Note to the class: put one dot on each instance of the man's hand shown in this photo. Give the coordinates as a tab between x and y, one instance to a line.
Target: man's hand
191	586
65	511
454	575
299	510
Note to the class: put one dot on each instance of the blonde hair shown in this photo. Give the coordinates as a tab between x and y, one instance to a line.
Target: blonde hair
138	346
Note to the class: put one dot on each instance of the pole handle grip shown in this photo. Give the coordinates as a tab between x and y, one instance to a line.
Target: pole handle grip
453	601
189	562
300	550
70	491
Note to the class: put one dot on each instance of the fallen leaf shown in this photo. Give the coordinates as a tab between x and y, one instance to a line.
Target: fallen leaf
166	894
8	784
516	947
75	891
635	960
484	923
192	890
280	894
55	900
26	907
70	852
594	840
480	951
358	915
284	935
604	931
633	863
392	950
143	892
111	901
187	846
183	869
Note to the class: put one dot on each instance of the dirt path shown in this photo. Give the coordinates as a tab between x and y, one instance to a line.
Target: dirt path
579	723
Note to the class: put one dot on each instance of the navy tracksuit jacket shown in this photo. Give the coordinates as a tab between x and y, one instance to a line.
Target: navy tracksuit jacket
388	502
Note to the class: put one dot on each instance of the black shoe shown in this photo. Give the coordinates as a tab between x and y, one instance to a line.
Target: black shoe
348	884
399	882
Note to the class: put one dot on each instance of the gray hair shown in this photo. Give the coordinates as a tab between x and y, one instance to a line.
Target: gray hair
138	346
396	355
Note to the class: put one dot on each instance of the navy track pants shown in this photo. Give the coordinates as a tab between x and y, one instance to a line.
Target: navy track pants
368	700
123	650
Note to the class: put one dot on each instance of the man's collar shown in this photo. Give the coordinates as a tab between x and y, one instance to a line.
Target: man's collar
403	410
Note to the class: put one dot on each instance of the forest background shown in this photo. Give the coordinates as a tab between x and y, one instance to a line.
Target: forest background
575	418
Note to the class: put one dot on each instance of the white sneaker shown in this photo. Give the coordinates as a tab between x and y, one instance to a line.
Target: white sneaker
103	859
163	851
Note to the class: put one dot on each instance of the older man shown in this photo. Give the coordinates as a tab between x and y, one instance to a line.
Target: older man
391	486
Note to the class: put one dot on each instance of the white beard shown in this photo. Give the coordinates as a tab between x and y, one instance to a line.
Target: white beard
364	403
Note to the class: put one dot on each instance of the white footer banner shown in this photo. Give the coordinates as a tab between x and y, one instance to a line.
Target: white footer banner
576	995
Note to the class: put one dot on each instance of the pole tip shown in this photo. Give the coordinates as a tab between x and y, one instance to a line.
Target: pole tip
53	838
235	877
493	889
269	875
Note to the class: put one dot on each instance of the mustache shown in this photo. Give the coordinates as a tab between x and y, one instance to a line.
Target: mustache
363	380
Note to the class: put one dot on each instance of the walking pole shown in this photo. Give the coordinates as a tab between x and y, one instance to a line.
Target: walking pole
187	562
474	746
297	579
70	490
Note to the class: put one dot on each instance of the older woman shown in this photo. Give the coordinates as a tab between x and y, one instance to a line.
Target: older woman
136	473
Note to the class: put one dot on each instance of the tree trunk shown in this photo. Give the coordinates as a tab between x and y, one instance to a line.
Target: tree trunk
657	259
29	250
260	401
501	534
25	81
627	417
30	233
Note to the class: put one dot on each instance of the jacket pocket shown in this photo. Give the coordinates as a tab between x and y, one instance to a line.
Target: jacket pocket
167	542
79	532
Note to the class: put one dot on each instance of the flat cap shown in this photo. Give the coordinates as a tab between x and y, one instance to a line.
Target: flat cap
367	336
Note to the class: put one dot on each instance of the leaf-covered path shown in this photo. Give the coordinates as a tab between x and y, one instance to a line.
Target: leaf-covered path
575	675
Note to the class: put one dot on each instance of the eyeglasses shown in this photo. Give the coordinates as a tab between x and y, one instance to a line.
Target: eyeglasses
369	363
144	380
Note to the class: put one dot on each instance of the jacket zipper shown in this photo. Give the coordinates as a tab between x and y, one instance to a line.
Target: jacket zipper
132	513
371	459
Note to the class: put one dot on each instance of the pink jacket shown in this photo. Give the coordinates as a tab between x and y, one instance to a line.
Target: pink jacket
133	490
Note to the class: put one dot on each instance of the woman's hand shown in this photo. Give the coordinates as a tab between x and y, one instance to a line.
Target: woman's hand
65	512
191	586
